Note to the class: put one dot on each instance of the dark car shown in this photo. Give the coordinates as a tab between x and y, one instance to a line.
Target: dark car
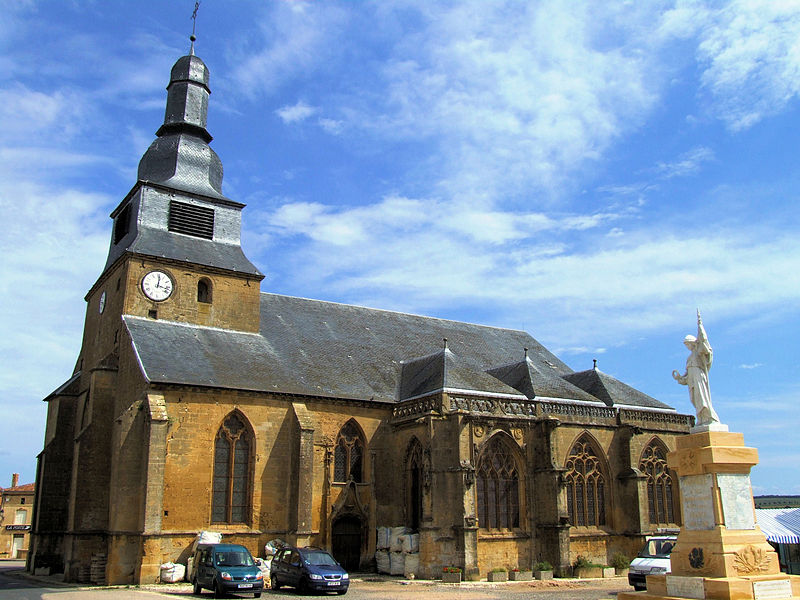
308	569
226	568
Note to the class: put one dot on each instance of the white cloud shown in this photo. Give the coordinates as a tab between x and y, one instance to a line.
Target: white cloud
751	366
431	256
688	163
296	113
750	54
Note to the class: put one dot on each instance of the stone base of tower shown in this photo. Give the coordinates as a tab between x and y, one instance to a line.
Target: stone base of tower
721	553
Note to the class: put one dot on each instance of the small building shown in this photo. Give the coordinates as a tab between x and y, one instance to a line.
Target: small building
16	514
782	528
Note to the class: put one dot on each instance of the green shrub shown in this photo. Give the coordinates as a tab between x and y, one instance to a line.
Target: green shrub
499	570
619	561
582	562
543	566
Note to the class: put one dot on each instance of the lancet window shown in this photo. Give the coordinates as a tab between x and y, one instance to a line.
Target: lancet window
659	484
348	457
414	483
585	483
497	486
232	481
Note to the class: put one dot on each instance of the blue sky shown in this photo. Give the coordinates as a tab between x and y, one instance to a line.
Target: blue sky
589	172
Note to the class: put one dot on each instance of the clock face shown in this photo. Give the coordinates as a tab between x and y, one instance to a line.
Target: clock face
157	285
102	306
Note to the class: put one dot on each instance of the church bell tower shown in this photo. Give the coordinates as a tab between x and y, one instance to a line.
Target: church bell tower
175	251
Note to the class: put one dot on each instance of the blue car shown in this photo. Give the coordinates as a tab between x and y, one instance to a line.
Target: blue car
225	569
308	569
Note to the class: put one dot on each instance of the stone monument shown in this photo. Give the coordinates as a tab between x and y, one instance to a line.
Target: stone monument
721	553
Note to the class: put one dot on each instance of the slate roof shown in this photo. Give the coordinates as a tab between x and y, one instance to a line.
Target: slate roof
533	381
611	390
153	242
445	371
312	347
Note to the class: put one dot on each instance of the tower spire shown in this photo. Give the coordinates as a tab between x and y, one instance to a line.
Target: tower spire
180	157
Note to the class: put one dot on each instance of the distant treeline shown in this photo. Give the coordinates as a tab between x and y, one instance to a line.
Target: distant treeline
777	501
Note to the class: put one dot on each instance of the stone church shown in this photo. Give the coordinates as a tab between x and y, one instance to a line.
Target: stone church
200	402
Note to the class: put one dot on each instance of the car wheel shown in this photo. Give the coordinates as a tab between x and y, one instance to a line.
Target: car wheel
274	583
198	589
257	595
302	587
341	592
218	591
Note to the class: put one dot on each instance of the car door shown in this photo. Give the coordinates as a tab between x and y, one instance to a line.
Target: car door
278	567
294	567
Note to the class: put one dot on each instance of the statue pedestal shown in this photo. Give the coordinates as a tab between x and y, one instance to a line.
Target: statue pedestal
721	553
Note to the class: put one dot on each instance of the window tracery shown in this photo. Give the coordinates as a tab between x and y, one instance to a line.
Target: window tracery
348	457
497	486
659	484
585	483
231	485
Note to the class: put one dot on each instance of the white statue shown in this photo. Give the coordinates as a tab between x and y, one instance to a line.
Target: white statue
696	376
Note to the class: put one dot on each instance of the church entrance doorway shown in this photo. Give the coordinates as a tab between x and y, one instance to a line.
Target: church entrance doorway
346	540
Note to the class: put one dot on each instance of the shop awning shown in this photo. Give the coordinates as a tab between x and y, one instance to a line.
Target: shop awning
780	525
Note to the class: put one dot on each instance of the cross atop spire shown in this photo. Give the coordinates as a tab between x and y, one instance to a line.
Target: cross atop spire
193	37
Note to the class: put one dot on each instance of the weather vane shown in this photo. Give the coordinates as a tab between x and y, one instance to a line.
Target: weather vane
192	37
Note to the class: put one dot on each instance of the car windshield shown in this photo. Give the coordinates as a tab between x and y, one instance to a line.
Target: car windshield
657	548
320	559
233	559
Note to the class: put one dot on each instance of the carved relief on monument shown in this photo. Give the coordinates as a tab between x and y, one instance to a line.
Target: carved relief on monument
751	560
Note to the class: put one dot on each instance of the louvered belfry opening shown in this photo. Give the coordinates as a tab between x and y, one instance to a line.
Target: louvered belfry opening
190	219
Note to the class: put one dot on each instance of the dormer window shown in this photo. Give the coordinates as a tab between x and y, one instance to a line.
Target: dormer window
204	291
189	219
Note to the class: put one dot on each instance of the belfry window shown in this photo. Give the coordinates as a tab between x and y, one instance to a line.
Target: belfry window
230	501
204	291
659	484
190	219
585	481
348	457
498	489
122	223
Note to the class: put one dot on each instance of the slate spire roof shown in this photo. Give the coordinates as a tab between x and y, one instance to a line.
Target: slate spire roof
177	210
180	157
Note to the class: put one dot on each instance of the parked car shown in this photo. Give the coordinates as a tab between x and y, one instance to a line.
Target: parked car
308	569
653	559
226	568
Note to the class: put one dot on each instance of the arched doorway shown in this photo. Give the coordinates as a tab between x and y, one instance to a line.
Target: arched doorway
346	540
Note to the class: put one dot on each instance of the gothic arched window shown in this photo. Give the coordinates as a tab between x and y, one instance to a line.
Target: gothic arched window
659	484
348	457
204	291
585	484
414	483
498	489
230	500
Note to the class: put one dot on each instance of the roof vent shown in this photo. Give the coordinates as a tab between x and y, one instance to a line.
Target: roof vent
189	219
